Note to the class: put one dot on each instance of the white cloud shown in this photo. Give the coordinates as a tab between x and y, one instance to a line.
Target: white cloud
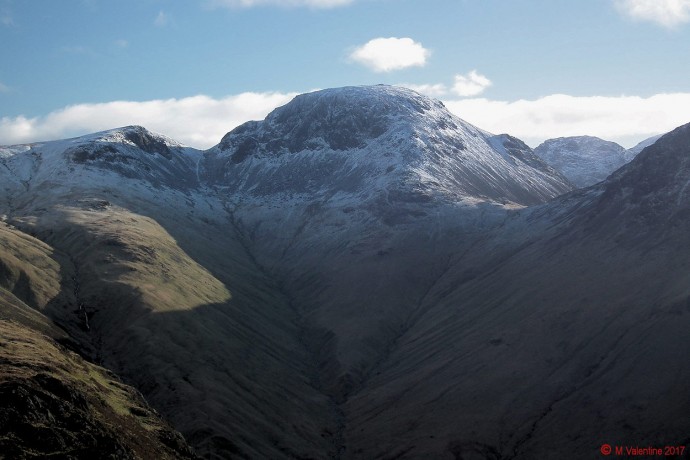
388	54
121	43
198	121
162	19
4	88
201	121
668	13
623	119
281	3
471	84
431	90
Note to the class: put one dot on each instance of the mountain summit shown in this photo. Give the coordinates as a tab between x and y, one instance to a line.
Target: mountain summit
367	138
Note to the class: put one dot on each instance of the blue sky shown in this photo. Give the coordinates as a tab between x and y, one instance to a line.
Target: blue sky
194	69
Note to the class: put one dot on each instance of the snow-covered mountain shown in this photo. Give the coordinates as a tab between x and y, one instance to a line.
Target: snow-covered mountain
131	152
361	141
357	276
275	224
584	160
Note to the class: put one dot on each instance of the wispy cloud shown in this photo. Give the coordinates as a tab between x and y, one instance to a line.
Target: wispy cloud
89	3
162	19
624	119
199	121
389	54
121	43
279	3
471	84
6	17
668	13
4	88
78	50
431	90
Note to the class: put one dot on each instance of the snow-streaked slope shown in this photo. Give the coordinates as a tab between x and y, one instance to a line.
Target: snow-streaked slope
361	141
584	160
131	152
346	192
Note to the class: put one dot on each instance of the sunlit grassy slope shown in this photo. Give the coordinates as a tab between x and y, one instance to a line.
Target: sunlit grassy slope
170	299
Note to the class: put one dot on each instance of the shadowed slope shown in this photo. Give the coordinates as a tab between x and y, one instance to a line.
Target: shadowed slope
571	339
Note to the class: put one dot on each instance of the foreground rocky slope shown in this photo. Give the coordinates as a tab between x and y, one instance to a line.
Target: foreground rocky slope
56	404
357	276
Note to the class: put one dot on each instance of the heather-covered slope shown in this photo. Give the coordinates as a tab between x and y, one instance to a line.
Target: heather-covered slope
55	404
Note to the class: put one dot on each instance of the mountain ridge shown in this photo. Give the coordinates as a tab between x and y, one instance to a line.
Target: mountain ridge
387	134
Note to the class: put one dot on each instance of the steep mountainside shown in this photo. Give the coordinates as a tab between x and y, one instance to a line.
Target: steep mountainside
357	276
584	160
342	194
569	339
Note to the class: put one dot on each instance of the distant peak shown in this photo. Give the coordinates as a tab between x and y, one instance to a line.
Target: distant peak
579	140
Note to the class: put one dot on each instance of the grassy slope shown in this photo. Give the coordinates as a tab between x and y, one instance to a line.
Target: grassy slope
177	307
53	402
